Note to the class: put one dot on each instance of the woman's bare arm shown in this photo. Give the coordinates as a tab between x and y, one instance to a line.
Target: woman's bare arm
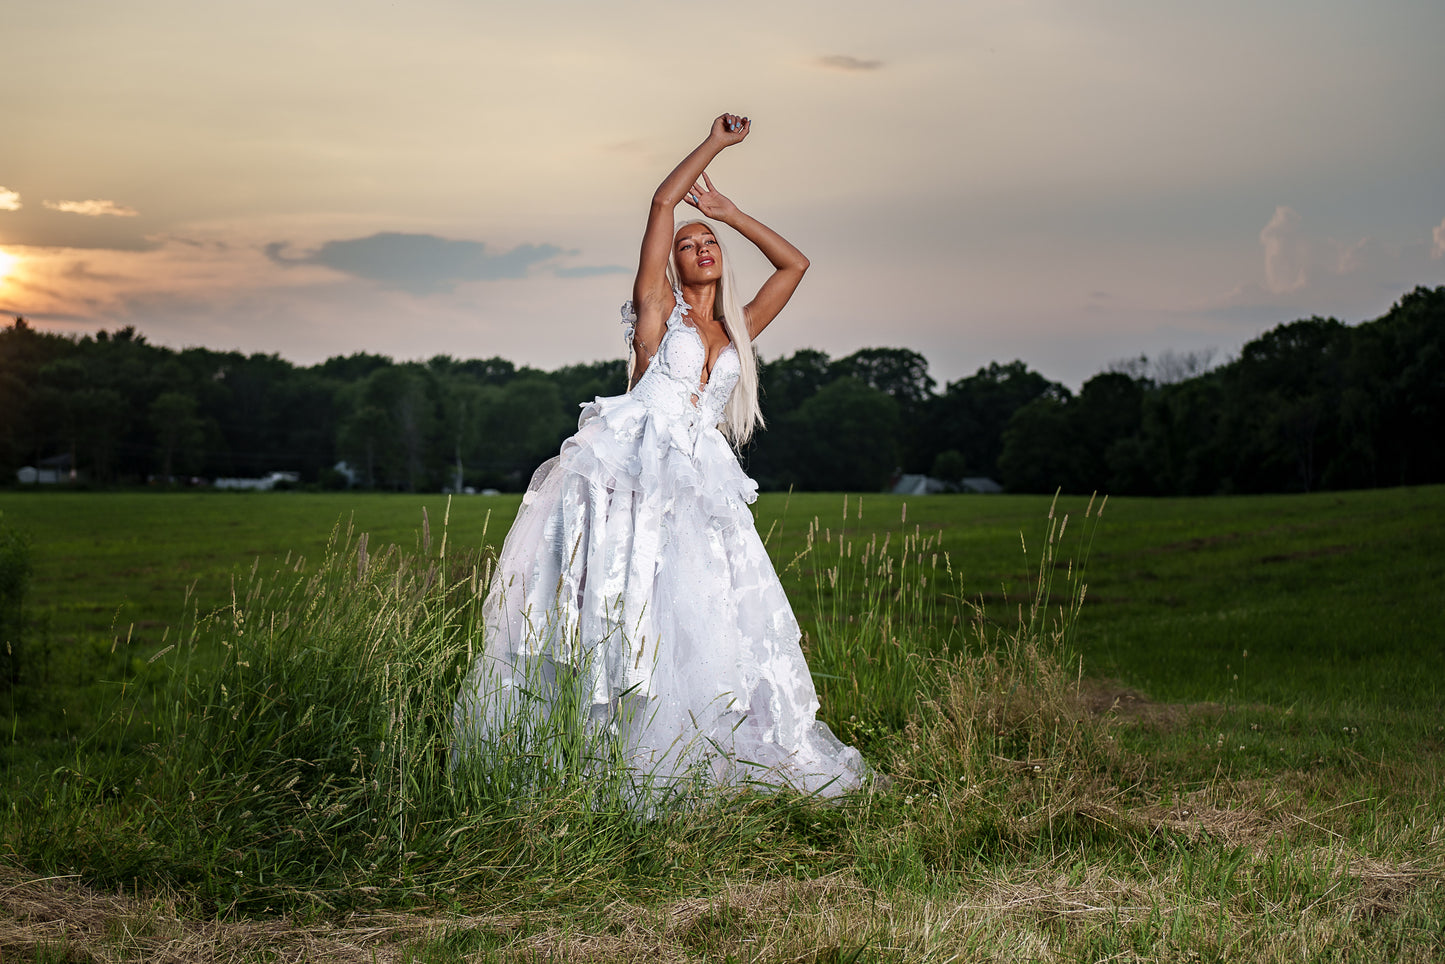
788	262
651	295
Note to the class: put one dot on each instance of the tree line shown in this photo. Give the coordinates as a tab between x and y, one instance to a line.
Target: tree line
1310	404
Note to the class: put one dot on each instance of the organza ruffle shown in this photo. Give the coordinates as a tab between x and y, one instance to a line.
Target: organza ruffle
634	593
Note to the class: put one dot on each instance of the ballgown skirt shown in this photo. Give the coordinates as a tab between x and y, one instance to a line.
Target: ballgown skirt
633	594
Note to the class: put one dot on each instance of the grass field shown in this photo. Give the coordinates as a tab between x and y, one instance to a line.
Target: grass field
1249	767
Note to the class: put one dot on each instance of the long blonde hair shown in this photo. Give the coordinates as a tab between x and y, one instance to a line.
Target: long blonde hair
743	413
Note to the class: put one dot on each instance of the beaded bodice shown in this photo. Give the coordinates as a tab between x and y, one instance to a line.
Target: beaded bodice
673	380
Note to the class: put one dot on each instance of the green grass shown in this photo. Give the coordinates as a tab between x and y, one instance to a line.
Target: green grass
1279	805
1334	595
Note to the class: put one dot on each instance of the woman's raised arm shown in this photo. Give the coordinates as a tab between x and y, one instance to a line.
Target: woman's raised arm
650	292
788	262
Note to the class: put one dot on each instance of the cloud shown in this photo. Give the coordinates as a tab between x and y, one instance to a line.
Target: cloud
98	283
418	263
847	63
1295	260
80	271
1360	256
9	200
1307	273
1286	252
94	208
592	270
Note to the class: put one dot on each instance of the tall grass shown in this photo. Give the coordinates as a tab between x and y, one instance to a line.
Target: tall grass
305	756
301	747
304	753
303	763
898	630
886	609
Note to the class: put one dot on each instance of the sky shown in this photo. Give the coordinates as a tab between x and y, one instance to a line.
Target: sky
1070	183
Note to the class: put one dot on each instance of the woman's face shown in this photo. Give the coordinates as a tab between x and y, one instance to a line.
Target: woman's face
695	251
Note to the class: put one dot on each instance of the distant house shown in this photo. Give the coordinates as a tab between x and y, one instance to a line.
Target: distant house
55	470
927	485
263	484
918	485
981	485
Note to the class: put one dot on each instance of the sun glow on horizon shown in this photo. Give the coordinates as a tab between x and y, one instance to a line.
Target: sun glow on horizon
8	262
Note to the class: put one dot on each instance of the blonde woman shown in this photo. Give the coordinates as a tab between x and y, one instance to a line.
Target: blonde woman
633	592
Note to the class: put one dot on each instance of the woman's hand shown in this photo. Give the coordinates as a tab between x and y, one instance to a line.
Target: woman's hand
729	129
710	201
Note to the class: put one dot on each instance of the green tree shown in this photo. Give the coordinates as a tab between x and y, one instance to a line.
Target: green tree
83	419
1180	438
1282	422
972	413
846	437
1106	414
902	374
1394	401
899	372
521	425
784	384
179	431
392	427
462	402
1041	451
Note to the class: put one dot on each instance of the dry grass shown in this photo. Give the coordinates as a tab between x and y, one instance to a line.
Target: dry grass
1046	912
79	923
1127	705
762	920
1238	870
1084	867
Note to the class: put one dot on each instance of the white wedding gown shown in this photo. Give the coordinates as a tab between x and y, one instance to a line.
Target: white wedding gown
634	581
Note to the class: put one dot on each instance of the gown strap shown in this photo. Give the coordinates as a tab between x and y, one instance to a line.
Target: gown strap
675	319
629	316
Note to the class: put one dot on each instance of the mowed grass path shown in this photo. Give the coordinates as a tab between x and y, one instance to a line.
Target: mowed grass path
1328	600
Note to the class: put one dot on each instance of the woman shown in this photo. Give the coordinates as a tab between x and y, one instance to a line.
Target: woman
632	591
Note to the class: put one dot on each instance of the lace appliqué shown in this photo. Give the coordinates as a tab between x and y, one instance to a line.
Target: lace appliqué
630	430
629	322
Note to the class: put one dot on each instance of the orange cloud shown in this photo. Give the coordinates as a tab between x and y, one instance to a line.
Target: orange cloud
94	208
9	200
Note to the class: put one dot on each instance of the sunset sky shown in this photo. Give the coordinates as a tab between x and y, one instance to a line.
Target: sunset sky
1068	182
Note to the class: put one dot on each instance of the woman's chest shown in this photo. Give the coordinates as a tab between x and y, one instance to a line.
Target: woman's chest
687	355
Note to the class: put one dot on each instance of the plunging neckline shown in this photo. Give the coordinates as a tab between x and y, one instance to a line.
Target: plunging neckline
707	367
